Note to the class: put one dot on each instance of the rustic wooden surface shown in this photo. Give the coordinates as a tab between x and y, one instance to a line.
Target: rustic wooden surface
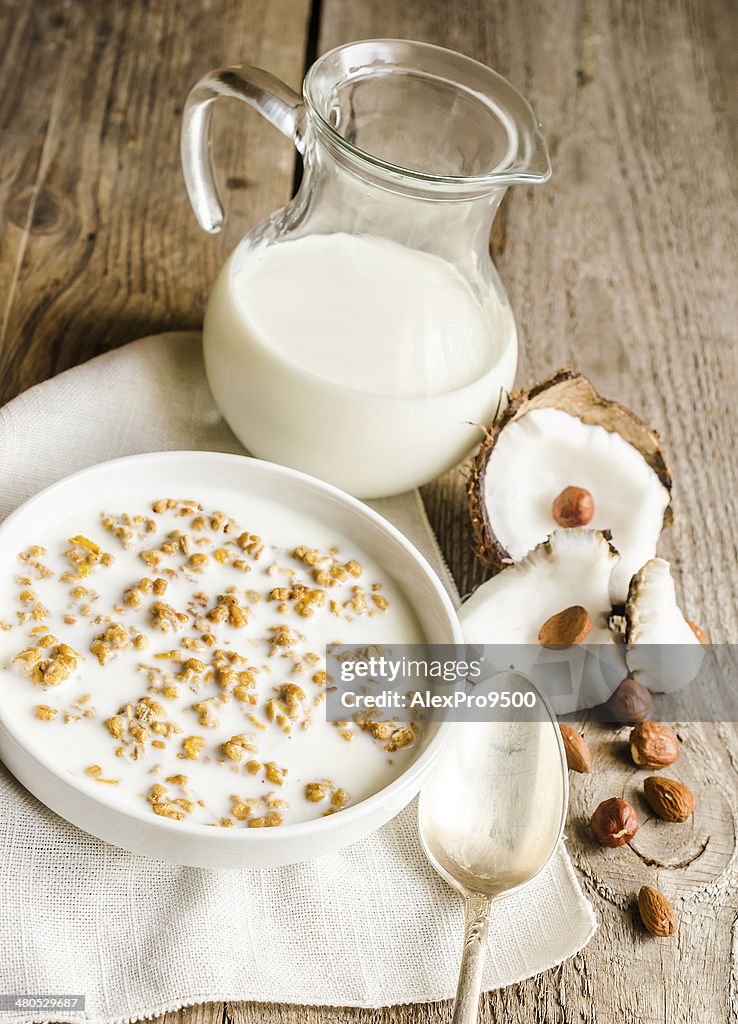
622	266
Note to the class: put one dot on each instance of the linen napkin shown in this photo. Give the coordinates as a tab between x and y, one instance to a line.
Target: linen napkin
372	925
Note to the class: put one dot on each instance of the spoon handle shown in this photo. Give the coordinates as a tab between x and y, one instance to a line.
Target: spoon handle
476	907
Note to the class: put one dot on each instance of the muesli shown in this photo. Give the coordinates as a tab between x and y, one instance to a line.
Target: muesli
174	656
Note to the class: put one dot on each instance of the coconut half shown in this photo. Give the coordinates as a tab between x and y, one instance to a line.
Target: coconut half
662	651
572	568
562	433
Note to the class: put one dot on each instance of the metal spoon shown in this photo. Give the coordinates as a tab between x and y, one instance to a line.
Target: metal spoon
491	816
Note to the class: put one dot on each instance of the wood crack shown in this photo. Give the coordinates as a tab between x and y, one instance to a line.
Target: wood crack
657	862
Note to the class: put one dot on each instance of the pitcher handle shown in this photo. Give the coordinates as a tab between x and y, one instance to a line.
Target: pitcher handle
274	100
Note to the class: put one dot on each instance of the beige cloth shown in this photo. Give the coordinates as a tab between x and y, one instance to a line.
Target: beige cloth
372	925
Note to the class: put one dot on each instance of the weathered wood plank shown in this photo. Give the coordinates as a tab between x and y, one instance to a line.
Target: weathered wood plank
94	201
204	1013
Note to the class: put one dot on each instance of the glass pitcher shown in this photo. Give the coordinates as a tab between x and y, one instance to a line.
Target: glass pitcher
361	333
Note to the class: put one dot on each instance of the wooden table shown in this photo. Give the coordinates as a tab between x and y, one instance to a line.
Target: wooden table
622	266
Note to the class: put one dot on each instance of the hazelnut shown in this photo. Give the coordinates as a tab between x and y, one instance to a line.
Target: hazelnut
670	799
653	745
566	628
573	507
630	702
656	912
614	823
578	756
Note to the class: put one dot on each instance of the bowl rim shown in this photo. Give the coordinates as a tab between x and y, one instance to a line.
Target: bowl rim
289	832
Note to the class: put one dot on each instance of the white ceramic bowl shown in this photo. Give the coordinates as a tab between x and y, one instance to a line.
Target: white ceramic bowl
199	845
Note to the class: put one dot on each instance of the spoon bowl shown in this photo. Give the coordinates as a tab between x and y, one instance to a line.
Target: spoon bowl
491	815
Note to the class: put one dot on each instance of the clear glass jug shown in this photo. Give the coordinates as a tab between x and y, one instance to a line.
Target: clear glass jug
361	333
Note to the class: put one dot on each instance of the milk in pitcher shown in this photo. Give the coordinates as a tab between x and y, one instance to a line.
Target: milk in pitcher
383	357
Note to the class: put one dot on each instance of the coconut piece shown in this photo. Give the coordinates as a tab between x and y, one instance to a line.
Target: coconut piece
568	573
561	434
662	651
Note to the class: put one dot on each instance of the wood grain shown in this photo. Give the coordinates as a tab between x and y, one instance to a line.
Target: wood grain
100	245
622	266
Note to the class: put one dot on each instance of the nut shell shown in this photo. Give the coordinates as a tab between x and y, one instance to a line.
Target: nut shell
573	507
578	755
630	702
656	912
614	823
653	745
670	799
565	628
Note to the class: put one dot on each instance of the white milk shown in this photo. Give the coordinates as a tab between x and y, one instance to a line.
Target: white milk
356	359
361	767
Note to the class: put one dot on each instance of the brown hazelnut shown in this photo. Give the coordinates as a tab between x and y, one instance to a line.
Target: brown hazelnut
670	799
653	745
614	823
630	702
566	628
573	507
656	912
578	756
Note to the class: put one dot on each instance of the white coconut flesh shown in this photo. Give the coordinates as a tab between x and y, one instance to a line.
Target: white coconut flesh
572	568
544	451
663	652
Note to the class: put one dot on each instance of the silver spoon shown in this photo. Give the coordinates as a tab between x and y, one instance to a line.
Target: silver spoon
491	816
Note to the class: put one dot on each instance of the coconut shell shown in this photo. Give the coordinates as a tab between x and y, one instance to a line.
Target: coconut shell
573	393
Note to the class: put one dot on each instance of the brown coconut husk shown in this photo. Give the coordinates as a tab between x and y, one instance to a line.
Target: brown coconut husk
573	393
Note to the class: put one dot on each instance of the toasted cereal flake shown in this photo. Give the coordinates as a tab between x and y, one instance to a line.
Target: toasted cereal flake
166	618
227	609
192	747
206	713
399	738
236	747
282	636
116	726
85	554
274	774
162	804
45	713
251	544
152	558
178	780
49	663
111	640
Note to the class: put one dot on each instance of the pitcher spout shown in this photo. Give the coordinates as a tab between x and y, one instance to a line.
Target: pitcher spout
527	160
